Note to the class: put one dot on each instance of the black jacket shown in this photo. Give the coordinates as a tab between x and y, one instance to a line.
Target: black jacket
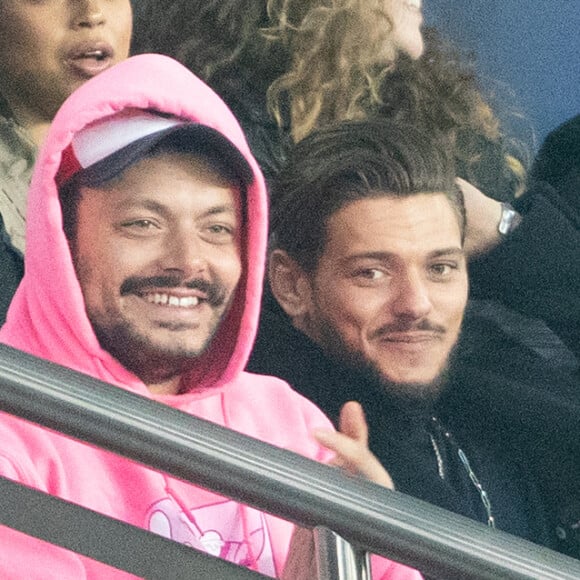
11	272
536	270
517	435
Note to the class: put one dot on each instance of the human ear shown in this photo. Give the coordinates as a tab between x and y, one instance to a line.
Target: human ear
290	284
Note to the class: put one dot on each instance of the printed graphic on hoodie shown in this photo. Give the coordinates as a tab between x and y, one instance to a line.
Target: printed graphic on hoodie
224	529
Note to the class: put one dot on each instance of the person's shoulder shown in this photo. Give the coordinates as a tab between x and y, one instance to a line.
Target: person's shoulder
15	144
270	387
268	409
277	398
11	272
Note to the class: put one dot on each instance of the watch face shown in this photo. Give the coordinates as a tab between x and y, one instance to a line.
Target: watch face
507	222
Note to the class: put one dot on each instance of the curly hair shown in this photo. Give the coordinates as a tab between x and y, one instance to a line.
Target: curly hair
288	67
318	62
213	38
440	92
339	52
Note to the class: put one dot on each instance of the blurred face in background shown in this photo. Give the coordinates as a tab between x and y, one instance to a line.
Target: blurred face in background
50	47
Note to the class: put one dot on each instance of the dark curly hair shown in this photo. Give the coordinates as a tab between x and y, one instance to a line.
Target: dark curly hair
316	61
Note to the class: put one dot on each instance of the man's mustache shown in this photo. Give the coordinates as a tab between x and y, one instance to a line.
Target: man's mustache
402	326
215	292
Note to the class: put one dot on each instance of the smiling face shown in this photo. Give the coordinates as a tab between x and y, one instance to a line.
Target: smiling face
390	289
407	20
157	255
50	47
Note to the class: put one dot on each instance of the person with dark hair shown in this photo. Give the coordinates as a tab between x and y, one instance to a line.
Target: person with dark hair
279	66
283	71
47	49
368	267
144	269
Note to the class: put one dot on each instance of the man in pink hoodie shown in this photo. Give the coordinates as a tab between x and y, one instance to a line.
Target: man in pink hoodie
144	268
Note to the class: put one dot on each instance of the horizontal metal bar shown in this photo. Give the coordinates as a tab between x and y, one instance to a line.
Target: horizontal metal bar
271	479
100	537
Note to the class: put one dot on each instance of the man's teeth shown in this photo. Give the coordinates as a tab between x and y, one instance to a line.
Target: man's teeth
97	54
168	300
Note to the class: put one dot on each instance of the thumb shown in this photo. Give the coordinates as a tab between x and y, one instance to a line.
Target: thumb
352	422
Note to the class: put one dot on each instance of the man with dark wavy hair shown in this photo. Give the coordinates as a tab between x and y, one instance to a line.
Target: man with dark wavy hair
368	269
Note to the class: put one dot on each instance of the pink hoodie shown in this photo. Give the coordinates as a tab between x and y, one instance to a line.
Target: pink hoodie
47	318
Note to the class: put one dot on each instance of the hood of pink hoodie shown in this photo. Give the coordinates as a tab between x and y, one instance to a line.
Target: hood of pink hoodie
47	317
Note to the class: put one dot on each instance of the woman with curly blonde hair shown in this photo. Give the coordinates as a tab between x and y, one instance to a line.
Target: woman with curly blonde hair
340	52
288	67
285	67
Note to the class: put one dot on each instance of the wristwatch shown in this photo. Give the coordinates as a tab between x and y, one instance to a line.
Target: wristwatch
510	219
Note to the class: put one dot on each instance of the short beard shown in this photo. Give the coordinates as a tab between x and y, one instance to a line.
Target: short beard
405	394
137	355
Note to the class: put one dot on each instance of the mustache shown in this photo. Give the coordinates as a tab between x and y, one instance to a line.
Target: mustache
403	326
215	292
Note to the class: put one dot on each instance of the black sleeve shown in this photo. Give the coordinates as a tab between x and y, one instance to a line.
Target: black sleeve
536	270
11	272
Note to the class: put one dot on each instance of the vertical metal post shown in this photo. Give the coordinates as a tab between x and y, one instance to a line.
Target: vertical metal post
337	559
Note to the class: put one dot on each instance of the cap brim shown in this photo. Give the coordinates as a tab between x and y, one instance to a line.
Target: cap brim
187	138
